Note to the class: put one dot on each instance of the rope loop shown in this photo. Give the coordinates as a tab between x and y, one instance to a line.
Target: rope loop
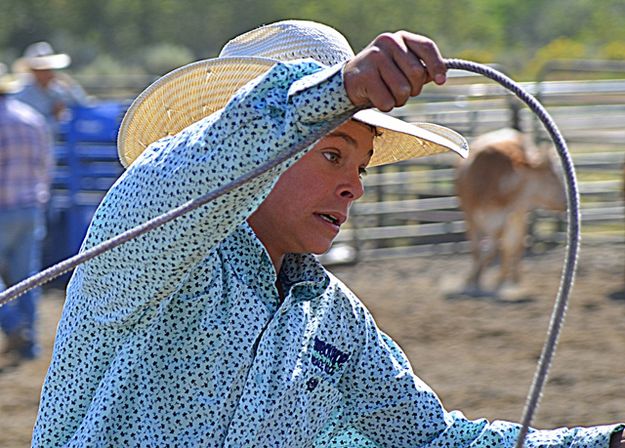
572	236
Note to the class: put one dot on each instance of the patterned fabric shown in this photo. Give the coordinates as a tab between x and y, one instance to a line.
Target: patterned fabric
25	156
178	338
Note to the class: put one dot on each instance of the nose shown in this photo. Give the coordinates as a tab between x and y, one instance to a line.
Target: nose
352	188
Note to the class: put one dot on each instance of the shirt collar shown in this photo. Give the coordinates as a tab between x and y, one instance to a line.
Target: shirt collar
302	275
248	257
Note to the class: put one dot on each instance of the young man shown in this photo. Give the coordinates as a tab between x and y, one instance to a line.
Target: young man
221	328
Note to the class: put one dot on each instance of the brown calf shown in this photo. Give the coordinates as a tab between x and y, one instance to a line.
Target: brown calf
502	180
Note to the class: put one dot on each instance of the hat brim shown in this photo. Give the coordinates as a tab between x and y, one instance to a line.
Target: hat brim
182	97
400	140
195	91
51	62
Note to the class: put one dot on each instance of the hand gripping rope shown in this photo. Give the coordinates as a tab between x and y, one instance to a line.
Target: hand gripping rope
572	247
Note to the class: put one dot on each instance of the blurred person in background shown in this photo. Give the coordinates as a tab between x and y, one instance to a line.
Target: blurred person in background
25	171
46	89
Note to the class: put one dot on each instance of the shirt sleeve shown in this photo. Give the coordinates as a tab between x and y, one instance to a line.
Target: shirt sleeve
264	119
387	405
46	161
68	91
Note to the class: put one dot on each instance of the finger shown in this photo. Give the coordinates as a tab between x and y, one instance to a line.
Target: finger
412	69
396	82
363	79
426	50
405	60
379	94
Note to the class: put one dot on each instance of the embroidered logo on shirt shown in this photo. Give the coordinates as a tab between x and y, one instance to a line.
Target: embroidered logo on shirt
327	357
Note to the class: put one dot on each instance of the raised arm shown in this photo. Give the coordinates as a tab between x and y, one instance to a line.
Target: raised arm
264	119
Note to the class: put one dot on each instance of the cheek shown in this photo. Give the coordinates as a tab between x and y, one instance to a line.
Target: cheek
299	185
304	188
285	200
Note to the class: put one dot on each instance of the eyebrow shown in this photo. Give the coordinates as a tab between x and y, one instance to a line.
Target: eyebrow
348	138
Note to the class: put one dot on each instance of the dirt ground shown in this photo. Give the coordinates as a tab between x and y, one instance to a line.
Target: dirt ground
479	354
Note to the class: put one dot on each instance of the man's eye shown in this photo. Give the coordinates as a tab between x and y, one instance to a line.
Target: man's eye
331	156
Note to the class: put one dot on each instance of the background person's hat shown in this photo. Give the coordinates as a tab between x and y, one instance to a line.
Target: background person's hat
194	91
41	56
8	83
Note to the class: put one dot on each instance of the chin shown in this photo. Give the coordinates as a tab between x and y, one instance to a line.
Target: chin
323	251
320	248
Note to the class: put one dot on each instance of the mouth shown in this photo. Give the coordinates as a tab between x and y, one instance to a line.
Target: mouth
334	219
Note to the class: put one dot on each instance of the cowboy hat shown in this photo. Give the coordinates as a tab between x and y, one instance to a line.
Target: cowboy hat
196	90
41	56
8	83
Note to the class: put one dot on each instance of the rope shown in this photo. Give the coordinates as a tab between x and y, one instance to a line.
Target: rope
573	229
573	237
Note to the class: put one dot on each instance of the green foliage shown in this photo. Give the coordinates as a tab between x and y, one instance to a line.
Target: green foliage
106	65
561	48
162	58
477	55
614	50
510	32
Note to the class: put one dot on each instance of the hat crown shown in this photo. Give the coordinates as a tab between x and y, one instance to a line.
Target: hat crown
41	56
38	49
196	90
289	40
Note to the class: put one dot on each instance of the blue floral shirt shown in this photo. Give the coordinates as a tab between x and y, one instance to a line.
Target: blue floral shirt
179	339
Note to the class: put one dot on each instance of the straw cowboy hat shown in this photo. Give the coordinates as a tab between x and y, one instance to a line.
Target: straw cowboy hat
41	56
8	83
196	90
